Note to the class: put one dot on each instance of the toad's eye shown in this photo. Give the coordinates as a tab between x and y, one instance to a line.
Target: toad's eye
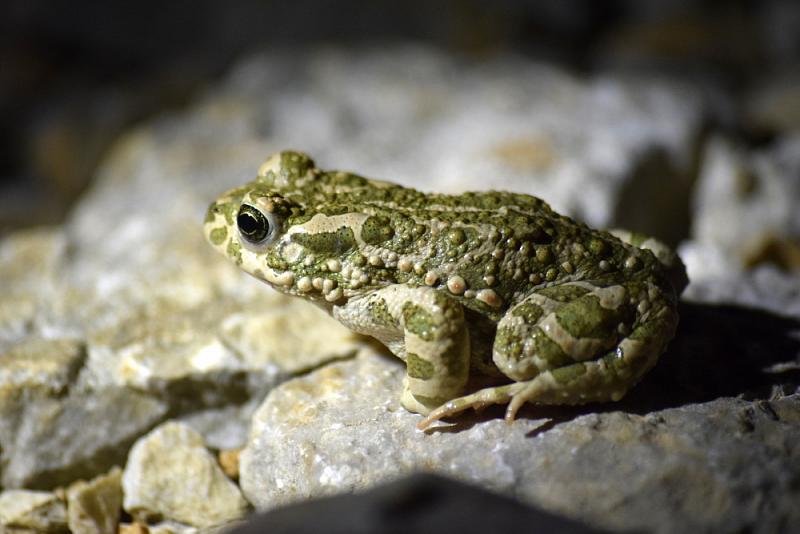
255	226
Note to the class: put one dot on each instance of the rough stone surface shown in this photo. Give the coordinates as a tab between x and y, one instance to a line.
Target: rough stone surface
94	507
54	441
711	465
36	366
170	474
32	511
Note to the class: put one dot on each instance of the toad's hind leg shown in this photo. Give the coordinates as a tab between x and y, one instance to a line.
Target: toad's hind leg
604	375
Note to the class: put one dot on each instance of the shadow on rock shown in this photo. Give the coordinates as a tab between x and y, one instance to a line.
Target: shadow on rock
722	351
719	351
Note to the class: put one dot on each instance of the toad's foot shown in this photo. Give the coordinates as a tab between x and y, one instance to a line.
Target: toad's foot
593	381
479	399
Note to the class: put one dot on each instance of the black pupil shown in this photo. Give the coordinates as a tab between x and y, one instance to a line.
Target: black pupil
253	226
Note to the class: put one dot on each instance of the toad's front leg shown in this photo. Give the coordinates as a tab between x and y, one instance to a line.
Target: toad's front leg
425	328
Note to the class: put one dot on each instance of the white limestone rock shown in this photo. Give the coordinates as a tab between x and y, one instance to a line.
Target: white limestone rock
54	441
94	507
341	429
32	511
171	475
746	204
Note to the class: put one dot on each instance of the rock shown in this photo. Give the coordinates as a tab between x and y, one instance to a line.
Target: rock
416	504
36	366
774	104
229	461
746	205
30	262
716	279
94	506
164	527
341	429
133	528
32	511
171	527
53	441
170	474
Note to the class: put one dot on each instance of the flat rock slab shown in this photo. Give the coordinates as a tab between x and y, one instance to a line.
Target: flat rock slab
717	465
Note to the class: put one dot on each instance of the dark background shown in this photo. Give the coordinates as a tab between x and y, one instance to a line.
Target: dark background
74	75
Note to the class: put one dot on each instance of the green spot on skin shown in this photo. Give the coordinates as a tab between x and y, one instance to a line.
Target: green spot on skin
295	164
454	363
653	328
350	180
528	311
418	321
544	255
547	349
509	343
598	247
376	230
416	367
565	375
328	243
456	236
229	211
585	318
636	239
564	293
379	312
218	235
235	251
211	213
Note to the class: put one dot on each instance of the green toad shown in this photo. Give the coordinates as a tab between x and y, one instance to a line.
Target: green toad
488	283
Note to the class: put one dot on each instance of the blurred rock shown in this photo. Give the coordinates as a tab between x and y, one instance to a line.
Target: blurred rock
164	527
53	441
717	278
94	507
773	106
133	528
171	475
39	366
413	505
30	263
32	511
746	205
229	462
